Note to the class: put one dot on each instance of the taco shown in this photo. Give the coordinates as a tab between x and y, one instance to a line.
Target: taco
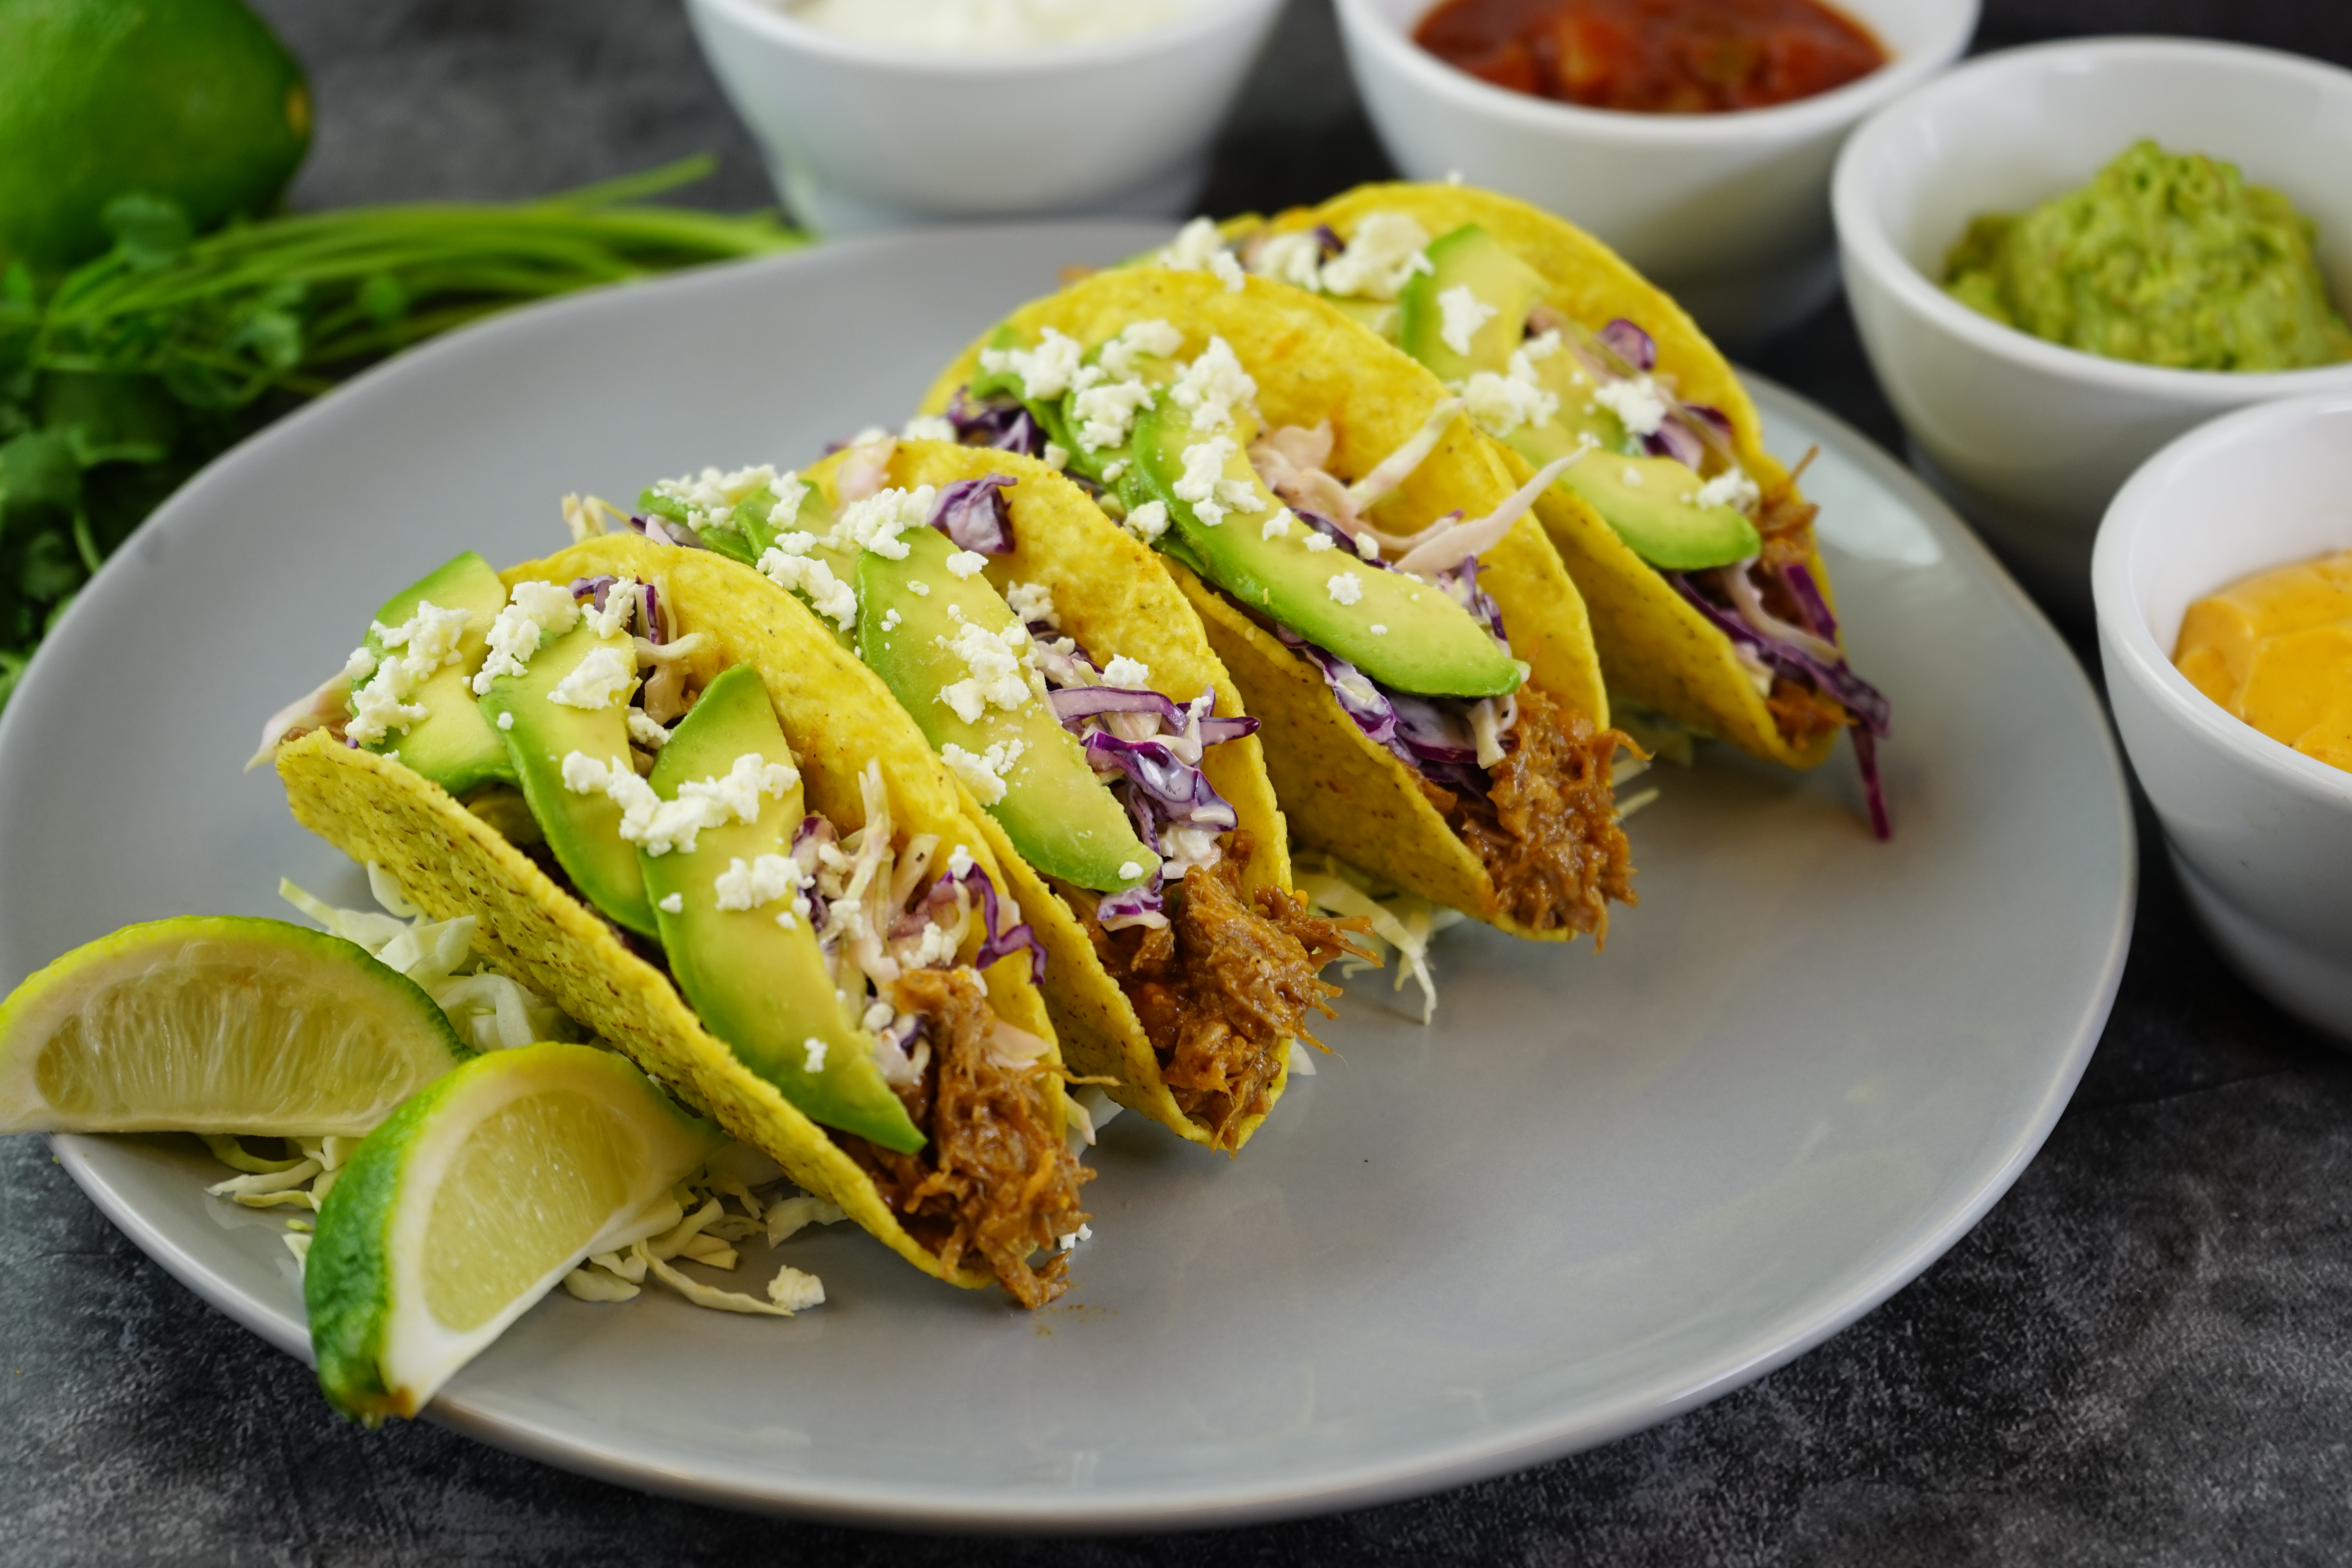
1692	545
675	807
1066	683
1432	708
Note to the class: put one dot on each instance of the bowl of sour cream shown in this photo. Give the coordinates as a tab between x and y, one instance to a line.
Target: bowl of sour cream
2225	602
878	115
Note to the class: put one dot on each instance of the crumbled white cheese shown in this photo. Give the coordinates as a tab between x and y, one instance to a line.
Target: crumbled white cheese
506	721
1129	870
890	619
1499	405
959	861
966	563
711	500
1633	476
1044	371
1295	258
1032	604
1277	526
790	493
377	709
1156	338
1128	672
1460	315
1055	456
1227	270
1111	471
1346	587
430	636
1318	541
1636	401
606	676
1731	487
763	879
1148	521
998	676
1204	467
983	771
921	590
1194	244
1387	249
736	792
361	665
813	1061
1106	412
533	611
1378	630
643	729
813	581
620	609
875	522
928	427
672	904
1211	386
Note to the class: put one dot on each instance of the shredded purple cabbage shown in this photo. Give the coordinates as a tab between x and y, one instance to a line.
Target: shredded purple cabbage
973	513
656	617
1836	681
1179	792
1460	584
1075	702
593	589
1002	940
1008	427
1674	440
1630	343
1430	735
1360	697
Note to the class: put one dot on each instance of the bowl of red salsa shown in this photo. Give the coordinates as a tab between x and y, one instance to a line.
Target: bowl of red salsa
1695	136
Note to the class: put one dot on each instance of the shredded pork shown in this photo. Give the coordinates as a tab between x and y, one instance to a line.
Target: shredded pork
1224	987
997	1176
1548	832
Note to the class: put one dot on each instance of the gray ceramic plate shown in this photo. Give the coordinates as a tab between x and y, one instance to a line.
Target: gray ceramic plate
1601	1189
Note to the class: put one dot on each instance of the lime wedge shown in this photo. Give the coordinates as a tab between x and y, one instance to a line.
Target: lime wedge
472	1201
217	1024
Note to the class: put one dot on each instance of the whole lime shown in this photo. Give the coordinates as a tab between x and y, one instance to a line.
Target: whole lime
193	100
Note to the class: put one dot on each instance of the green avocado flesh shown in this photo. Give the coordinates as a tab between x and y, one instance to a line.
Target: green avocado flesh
584	831
452	745
1654	510
1062	819
1400	630
760	985
1467	258
2165	259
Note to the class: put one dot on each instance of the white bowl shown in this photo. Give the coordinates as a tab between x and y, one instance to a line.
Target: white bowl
860	137
2260	833
1729	212
2031	440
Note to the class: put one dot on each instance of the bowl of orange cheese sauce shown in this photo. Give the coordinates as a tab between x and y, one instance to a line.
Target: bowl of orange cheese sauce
2223	581
2276	650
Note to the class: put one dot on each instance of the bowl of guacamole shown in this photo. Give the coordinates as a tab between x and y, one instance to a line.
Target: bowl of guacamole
2062	257
2163	259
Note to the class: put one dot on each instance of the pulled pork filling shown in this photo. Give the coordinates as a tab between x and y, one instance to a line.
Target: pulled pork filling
996	1176
1545	829
1224	987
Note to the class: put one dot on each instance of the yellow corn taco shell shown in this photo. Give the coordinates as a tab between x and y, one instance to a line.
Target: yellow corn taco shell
1654	647
1339	791
1110	595
449	862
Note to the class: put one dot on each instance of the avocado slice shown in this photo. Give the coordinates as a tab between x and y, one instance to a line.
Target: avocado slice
1648	502
1062	819
758	985
452	745
584	831
1430	646
1467	258
1651	512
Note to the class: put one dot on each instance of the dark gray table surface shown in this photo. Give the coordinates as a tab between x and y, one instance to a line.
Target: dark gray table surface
2138	1357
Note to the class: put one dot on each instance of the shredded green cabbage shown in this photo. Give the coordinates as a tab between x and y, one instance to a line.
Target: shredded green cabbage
1399	920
